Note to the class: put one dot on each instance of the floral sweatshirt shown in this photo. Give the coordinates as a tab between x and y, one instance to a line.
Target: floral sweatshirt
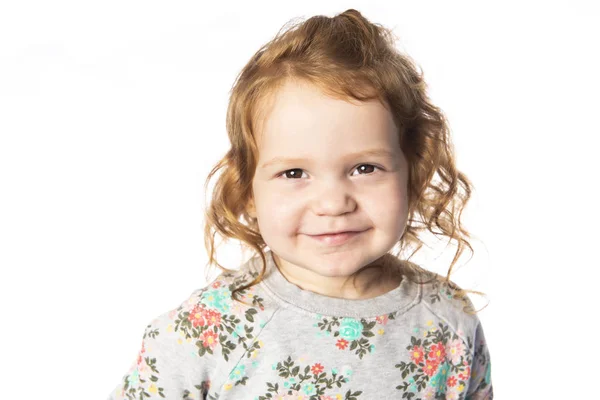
283	342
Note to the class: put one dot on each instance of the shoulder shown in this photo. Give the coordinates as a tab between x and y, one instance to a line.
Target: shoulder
201	334
444	298
232	286
450	331
164	359
199	319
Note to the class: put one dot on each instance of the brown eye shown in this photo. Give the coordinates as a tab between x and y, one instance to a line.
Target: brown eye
366	168
292	173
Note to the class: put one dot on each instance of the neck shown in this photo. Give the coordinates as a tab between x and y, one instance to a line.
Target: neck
371	281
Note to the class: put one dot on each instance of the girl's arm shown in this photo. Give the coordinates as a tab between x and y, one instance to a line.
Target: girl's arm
480	383
167	364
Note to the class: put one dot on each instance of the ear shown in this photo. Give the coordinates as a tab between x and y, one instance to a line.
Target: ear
251	209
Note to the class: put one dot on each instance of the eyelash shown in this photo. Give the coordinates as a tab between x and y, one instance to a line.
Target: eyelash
282	174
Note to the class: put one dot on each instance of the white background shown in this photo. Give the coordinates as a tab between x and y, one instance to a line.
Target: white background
113	112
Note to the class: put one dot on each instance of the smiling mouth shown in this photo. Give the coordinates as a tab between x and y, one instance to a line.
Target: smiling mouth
335	233
333	239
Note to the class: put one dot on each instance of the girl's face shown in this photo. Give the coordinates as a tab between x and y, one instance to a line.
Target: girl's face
311	179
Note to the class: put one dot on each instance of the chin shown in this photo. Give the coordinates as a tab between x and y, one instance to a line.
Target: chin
334	265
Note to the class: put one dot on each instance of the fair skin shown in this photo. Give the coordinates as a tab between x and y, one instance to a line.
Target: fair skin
329	188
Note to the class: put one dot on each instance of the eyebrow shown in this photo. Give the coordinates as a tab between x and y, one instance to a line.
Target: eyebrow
365	153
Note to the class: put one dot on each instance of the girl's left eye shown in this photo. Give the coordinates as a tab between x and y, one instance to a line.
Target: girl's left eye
368	165
296	174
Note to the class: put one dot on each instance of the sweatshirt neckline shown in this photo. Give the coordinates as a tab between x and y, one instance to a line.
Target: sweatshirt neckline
398	300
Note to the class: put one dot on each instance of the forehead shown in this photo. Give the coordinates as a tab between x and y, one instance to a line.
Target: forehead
301	121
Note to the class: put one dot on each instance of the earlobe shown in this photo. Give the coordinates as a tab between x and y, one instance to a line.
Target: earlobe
250	209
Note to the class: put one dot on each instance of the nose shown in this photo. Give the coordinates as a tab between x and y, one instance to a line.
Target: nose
334	198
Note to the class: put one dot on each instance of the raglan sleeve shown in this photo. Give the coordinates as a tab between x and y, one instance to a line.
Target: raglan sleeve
480	381
167	364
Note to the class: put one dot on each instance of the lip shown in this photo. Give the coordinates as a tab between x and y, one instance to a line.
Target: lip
336	238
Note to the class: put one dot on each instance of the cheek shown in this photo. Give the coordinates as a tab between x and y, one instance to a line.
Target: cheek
389	208
276	213
280	212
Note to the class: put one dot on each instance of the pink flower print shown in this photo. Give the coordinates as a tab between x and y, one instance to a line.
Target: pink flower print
416	354
190	304
216	284
295	395
197	315
142	351
317	369
342	344
464	375
429	393
382	319
451	382
212	317
437	352
326	398
430	367
209	339
455	350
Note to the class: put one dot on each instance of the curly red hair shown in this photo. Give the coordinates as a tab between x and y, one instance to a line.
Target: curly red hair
349	58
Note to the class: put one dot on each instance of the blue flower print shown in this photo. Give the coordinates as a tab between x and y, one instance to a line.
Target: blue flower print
134	379
350	329
237	373
219	299
439	380
309	389
290	382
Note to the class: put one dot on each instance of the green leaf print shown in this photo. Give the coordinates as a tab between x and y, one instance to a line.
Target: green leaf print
313	381
213	319
351	334
438	365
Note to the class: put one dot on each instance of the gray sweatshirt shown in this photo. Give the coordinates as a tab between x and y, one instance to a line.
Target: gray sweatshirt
414	342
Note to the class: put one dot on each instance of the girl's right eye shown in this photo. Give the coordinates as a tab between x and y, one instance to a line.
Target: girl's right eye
291	173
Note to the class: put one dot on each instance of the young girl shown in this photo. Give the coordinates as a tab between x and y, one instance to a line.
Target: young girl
334	149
